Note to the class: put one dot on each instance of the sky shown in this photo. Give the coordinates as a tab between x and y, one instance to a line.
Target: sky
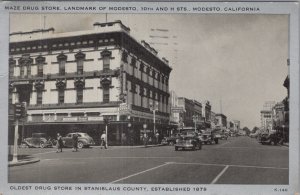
236	61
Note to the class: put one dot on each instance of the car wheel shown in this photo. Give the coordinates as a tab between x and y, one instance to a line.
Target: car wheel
80	145
194	147
272	143
176	148
200	146
216	141
171	143
205	142
42	144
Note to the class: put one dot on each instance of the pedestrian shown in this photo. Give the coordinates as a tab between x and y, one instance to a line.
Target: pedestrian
145	139
157	138
75	142
59	143
103	140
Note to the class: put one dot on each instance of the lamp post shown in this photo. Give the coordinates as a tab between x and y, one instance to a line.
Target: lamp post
145	135
195	119
154	108
129	132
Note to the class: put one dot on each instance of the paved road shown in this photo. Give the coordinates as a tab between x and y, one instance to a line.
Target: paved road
238	160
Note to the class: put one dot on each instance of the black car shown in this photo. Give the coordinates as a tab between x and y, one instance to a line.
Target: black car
38	140
188	142
269	139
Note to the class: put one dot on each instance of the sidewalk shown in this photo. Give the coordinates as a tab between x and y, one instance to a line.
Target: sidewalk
22	160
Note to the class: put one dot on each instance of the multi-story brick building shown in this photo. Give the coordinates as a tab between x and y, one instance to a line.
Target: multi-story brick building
72	81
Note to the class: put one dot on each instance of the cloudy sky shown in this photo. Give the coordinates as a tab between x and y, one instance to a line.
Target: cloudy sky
239	60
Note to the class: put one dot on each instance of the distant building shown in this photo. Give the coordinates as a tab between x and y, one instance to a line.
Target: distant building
213	121
206	113
222	121
186	117
236	125
176	110
266	115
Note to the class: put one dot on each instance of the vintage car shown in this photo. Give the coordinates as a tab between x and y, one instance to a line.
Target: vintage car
84	140
170	140
38	140
188	142
224	136
269	139
209	138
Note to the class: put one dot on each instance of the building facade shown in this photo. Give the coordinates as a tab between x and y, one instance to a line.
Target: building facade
186	117
236	125
73	81
266	115
222	121
206	114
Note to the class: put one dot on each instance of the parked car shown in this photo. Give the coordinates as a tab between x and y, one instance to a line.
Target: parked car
269	139
224	136
188	142
84	140
170	140
38	140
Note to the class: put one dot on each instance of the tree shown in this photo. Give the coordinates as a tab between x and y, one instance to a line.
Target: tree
255	129
247	130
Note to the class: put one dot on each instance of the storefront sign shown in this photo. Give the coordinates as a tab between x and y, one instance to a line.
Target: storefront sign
177	110
95	118
21	82
70	119
124	108
82	118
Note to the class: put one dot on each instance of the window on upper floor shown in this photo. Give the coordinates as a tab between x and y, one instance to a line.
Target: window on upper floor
125	56
79	96
106	57
39	97
61	96
106	95
61	58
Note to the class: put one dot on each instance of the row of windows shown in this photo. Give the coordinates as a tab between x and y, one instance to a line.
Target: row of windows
60	45
62	64
144	68
79	96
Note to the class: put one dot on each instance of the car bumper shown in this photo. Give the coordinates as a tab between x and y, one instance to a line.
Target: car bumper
184	145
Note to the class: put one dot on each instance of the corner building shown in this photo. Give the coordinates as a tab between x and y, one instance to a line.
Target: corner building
72	81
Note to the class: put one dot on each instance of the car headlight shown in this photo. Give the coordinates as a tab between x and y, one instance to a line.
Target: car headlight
177	140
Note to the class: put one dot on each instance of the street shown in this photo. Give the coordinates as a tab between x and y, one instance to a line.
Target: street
238	160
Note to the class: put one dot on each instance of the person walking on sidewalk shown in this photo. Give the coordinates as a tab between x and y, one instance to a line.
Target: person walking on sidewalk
75	142
59	143
103	140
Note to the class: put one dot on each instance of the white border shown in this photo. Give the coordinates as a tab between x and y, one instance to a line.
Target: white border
291	8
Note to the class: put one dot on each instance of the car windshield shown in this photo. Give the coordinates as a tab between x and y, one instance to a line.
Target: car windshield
83	135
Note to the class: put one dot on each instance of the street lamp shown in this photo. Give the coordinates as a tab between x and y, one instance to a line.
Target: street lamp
154	108
144	136
195	119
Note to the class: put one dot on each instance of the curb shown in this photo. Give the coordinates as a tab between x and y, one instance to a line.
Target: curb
23	162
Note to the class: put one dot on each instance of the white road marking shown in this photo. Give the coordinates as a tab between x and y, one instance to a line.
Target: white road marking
112	157
219	175
257	148
123	178
242	166
53	151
